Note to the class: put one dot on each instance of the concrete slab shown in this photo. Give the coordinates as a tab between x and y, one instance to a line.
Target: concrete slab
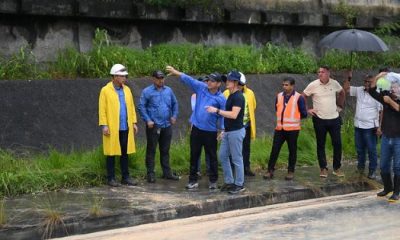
76	211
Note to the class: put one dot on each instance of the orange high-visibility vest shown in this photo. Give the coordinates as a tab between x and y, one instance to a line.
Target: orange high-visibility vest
287	115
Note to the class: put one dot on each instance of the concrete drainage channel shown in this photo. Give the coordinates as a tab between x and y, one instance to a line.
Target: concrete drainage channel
132	206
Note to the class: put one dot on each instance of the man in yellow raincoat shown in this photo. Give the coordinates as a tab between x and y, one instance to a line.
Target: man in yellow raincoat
117	117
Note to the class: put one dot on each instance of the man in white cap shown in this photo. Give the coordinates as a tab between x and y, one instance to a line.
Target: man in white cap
117	117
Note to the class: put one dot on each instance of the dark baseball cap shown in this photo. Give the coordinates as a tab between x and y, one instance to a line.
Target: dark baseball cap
203	79
234	75
215	77
158	74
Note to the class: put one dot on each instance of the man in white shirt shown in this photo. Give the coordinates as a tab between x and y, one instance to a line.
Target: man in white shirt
328	98
366	125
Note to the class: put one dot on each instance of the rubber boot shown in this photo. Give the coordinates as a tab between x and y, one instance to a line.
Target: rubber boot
387	185
396	188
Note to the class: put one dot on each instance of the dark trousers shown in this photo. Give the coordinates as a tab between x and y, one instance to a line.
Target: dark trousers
331	126
161	136
110	160
280	136
246	148
198	139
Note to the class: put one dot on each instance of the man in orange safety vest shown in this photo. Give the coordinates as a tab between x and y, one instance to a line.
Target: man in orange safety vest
290	108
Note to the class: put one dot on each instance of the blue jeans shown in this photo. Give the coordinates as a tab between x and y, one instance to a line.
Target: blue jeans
365	140
231	145
390	149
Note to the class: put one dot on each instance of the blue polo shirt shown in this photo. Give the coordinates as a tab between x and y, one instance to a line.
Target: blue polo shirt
123	117
200	117
158	105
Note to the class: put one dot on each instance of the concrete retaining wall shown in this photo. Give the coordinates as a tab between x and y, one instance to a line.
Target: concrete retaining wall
48	26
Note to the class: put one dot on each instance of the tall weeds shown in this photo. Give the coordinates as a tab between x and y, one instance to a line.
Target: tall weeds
192	58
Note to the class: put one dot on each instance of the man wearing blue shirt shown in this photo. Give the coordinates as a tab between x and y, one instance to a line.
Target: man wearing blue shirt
205	125
158	108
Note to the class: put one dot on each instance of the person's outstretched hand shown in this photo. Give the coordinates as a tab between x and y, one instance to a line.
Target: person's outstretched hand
172	71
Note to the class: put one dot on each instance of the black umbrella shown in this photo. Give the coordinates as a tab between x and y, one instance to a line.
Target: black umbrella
353	40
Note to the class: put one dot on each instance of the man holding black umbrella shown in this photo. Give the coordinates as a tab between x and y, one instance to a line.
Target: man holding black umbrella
366	123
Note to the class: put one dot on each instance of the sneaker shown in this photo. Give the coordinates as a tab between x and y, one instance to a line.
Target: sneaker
269	175
338	173
212	185
227	187
172	176
323	173
237	189
249	173
151	178
394	198
192	185
371	175
113	183
289	176
129	182
198	175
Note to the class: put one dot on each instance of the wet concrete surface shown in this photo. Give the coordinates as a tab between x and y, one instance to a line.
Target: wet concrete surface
77	211
352	216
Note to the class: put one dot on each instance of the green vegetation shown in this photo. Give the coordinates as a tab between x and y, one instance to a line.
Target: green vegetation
52	218
81	169
192	58
3	216
96	208
348	13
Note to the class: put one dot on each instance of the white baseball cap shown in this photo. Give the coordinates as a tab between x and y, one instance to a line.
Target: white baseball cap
119	70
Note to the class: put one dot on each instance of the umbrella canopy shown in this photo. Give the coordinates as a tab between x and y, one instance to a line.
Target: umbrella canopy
353	40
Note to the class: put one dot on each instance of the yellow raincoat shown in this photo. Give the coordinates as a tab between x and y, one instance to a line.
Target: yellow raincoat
109	115
251	102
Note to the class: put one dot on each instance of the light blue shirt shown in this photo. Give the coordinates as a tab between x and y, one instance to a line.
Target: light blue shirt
158	105
123	118
200	117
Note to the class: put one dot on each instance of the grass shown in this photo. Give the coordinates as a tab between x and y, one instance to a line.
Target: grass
3	215
56	170
96	208
52	218
191	58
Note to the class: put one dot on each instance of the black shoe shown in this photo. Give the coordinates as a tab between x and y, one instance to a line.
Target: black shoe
269	175
387	184
129	182
360	171
236	189
113	183
227	187
171	177
371	175
249	173
151	178
383	193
